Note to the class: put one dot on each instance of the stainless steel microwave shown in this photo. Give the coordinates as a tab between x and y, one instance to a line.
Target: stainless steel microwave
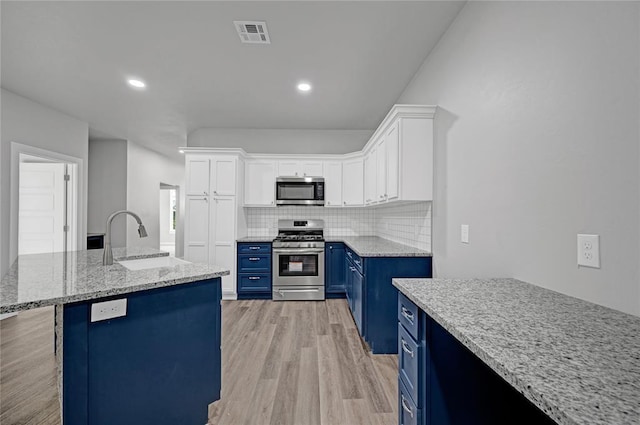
300	191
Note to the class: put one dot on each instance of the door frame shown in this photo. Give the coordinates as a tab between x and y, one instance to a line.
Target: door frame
18	149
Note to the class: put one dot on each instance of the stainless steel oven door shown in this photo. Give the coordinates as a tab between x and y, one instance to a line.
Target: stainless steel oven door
298	266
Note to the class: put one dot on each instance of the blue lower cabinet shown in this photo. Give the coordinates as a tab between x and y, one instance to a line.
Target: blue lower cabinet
159	364
408	412
334	270
254	271
372	298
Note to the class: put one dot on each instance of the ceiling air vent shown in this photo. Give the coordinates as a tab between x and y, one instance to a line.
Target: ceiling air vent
253	32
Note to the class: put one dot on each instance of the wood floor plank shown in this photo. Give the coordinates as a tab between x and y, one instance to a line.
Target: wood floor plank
288	363
322	318
331	407
350	385
308	397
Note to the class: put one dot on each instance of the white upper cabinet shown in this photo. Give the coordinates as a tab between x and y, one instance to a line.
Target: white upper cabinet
381	172
198	179
370	179
260	183
399	161
333	184
352	183
392	149
294	168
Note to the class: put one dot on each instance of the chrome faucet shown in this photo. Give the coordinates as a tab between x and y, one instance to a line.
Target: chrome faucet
107	257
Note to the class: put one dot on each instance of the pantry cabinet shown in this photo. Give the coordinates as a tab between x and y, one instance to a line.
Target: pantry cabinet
211	211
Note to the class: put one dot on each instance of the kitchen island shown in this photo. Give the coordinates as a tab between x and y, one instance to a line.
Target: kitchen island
577	362
158	363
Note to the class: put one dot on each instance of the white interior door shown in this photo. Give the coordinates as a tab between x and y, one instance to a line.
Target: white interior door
41	215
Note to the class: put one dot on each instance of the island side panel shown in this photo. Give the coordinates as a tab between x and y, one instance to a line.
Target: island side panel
159	364
380	315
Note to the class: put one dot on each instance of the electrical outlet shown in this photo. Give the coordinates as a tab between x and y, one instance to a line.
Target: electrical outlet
589	251
108	310
464	233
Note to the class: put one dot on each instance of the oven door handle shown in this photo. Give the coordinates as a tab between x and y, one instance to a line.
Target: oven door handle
298	251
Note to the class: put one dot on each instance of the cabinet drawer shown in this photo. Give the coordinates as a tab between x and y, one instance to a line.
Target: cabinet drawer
408	413
254	248
410	355
254	263
408	315
355	259
254	283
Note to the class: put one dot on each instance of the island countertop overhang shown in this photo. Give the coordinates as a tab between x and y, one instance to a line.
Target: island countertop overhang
39	280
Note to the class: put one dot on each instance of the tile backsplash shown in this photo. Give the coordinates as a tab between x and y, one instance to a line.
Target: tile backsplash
408	224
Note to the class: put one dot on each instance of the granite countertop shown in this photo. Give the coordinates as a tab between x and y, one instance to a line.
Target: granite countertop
375	246
577	361
364	246
38	280
256	239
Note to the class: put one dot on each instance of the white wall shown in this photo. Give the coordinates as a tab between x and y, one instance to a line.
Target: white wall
537	141
29	123
281	141
107	187
145	171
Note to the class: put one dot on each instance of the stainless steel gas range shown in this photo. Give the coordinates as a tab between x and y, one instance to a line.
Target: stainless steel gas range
298	260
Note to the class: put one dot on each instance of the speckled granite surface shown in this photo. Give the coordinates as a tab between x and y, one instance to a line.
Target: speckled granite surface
375	246
364	246
579	362
39	280
256	239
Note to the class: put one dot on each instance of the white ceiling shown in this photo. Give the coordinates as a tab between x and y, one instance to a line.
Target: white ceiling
76	57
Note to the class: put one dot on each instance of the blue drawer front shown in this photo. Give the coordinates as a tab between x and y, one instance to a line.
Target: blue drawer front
254	263
408	413
254	248
355	259
408	315
409	362
254	283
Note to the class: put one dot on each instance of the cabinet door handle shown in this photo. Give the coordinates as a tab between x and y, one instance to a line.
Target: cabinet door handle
254	248
405	348
349	254
254	259
357	262
353	269
345	202
407	314
258	278
405	407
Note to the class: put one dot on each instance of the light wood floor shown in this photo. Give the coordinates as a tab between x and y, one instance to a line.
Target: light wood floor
288	363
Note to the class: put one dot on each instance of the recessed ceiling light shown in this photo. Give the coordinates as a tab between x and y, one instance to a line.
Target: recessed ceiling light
304	87
139	84
181	151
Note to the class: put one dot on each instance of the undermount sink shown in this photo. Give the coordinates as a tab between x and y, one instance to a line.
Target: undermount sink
152	263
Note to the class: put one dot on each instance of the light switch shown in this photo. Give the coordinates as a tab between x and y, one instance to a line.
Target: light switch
589	251
464	233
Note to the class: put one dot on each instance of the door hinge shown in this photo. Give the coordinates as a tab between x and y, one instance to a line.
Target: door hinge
65	228
67	177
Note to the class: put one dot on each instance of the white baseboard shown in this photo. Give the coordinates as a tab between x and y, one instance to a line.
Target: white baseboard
229	295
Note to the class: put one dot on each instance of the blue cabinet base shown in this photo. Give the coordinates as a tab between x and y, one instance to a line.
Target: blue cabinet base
160	364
